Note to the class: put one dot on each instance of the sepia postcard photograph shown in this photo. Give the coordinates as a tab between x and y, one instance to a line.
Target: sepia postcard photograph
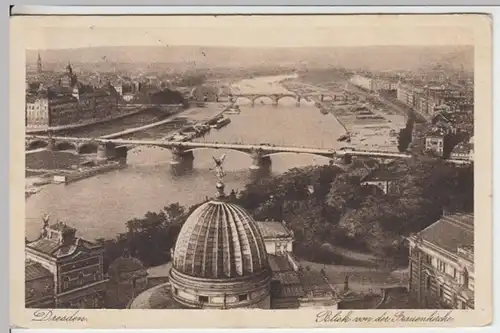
299	171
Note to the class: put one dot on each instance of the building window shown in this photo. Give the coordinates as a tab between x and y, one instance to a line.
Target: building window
80	279
428	259
242	297
428	282
441	292
203	299
65	283
466	278
441	266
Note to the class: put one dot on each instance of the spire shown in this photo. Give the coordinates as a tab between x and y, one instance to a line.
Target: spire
39	63
69	70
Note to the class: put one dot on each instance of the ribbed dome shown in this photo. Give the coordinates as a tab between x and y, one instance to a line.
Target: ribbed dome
220	240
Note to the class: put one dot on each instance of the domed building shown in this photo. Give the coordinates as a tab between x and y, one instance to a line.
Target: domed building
127	278
220	259
224	259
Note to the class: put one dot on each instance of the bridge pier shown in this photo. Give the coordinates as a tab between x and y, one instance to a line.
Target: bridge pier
180	155
275	100
297	103
347	159
252	103
105	152
121	154
259	161
51	144
321	97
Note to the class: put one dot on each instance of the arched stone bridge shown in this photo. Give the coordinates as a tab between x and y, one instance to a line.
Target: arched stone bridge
181	151
275	98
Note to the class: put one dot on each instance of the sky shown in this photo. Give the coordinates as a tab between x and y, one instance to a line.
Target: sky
256	31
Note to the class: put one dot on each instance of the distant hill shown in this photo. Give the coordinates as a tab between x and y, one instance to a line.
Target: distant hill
371	57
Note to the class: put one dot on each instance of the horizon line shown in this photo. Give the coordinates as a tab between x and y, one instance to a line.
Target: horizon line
255	47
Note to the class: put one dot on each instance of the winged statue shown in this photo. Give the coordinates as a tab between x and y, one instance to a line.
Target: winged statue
219	170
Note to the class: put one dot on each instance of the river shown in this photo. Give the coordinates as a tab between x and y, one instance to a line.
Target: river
100	206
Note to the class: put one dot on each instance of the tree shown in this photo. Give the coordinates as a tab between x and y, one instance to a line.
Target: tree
404	139
405	134
345	193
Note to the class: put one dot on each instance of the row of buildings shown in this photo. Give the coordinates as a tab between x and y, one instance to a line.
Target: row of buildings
371	83
55	99
67	101
427	99
424	98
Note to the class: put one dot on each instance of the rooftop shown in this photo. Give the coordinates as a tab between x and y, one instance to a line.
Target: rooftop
54	248
462	148
34	270
315	284
436	132
273	229
220	240
279	263
451	232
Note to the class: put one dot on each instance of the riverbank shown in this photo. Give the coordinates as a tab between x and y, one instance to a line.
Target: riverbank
367	126
92	122
40	177
144	127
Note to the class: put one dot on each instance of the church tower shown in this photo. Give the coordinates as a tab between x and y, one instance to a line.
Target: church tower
39	64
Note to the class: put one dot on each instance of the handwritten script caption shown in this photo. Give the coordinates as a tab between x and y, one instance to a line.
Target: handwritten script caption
329	316
49	315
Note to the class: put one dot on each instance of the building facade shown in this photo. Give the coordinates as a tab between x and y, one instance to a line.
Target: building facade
64	271
45	110
95	104
434	142
363	82
442	264
278	239
404	94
